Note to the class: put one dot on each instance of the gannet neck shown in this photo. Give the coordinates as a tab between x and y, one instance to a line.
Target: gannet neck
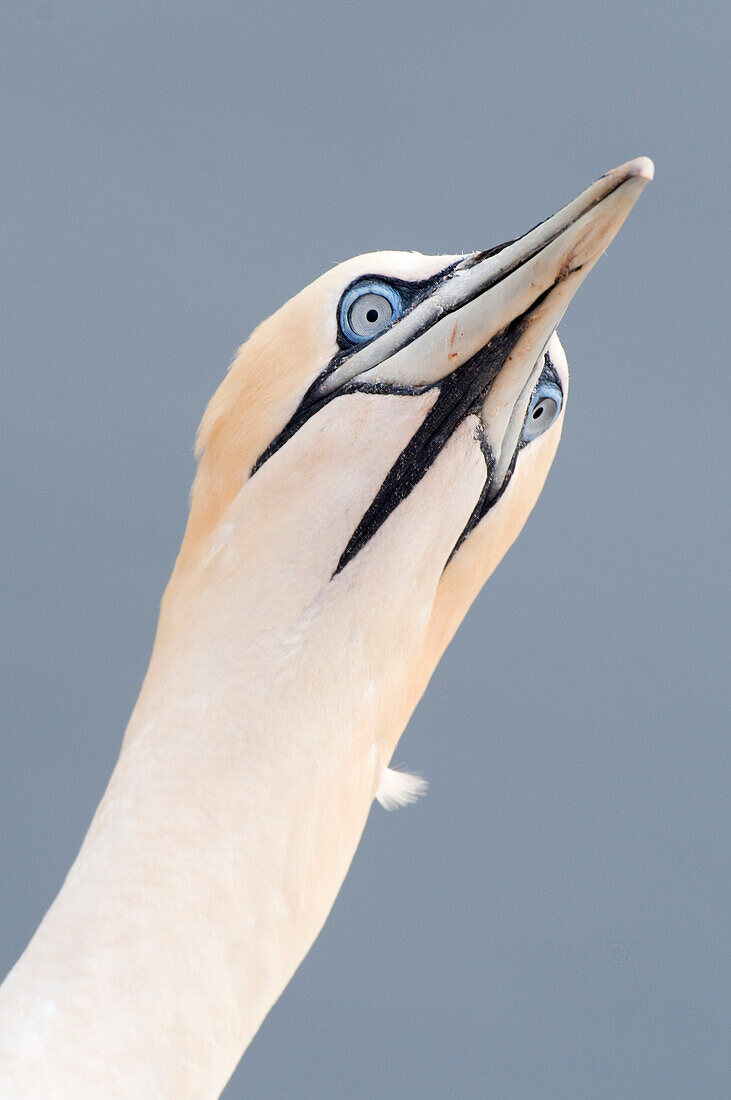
256	748
201	884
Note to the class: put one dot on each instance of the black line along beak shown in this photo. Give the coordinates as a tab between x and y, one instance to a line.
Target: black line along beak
480	338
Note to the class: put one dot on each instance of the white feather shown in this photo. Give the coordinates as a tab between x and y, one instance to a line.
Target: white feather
399	788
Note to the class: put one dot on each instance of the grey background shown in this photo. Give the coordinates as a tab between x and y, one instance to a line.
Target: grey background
551	921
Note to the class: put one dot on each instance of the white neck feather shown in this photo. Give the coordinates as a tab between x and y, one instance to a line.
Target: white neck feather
271	705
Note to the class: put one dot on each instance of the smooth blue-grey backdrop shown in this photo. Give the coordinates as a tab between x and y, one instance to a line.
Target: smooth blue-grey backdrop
552	920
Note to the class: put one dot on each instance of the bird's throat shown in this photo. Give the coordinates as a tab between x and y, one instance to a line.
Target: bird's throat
275	696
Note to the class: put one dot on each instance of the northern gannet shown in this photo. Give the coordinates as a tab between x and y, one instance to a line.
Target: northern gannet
374	450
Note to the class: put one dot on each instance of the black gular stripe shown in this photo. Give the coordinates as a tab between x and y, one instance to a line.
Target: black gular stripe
460	393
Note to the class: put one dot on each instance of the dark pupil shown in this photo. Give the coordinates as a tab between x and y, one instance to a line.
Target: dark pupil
538	412
372	315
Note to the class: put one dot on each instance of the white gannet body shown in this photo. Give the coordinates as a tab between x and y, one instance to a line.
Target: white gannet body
372	453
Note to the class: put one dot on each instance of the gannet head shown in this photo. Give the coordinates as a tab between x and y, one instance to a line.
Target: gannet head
396	420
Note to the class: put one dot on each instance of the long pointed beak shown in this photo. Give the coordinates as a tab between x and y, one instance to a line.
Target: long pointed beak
487	291
501	307
529	285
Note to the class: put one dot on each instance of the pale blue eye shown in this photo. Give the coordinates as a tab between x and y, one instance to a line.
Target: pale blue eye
368	308
544	407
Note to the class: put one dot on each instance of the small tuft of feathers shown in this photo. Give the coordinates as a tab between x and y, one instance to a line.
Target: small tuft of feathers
399	788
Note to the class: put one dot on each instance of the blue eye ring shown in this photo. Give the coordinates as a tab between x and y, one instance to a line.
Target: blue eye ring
545	405
379	289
